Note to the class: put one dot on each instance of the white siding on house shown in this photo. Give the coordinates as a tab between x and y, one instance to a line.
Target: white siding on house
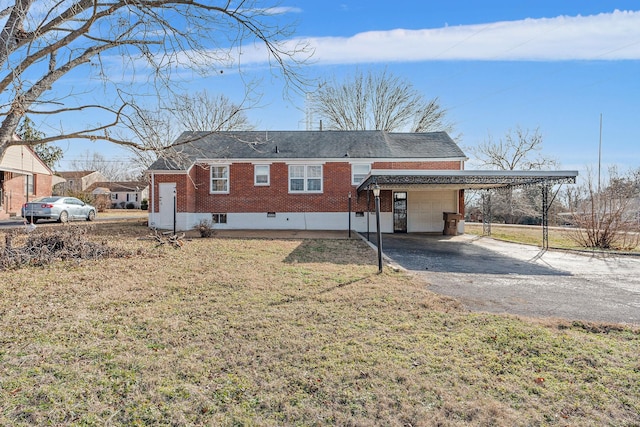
20	159
282	221
425	208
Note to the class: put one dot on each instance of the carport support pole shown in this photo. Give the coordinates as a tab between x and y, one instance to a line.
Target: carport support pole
545	215
376	193
368	213
349	214
175	208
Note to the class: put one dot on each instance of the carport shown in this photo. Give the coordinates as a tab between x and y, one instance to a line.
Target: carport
459	180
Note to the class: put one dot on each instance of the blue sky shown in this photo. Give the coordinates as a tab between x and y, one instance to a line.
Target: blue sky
553	65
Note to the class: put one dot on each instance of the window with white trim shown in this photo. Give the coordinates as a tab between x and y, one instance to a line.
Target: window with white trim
219	179
219	218
28	184
261	174
305	178
359	171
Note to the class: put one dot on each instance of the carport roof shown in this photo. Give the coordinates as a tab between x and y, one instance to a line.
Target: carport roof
395	179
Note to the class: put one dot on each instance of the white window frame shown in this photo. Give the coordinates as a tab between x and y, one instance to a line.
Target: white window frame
306	177
219	218
29	184
355	174
224	178
256	167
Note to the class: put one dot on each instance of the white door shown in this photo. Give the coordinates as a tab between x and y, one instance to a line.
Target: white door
166	204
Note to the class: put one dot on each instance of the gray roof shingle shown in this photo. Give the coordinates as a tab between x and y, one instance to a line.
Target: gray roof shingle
271	145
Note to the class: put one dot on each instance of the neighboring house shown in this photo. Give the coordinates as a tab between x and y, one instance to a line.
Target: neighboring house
122	194
23	177
301	180
77	181
319	180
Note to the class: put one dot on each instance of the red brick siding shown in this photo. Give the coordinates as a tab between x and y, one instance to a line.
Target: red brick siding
194	190
13	189
184	188
244	196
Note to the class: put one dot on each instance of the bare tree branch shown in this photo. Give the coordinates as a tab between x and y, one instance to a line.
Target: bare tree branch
43	42
377	102
518	149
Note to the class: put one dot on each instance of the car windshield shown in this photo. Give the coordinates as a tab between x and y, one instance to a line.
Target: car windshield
47	199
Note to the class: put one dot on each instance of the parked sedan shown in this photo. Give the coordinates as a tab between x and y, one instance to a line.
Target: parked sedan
61	209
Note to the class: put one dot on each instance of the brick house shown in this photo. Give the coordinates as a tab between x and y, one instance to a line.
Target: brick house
305	180
23	177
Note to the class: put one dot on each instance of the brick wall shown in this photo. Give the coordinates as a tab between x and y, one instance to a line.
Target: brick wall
194	196
14	196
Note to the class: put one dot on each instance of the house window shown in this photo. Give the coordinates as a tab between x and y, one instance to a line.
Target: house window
28	184
128	197
114	196
219	179
261	174
305	178
219	218
359	172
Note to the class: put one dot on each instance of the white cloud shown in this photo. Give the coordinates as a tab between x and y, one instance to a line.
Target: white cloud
281	10
607	36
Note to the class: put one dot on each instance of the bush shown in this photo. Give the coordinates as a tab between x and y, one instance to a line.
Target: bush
83	195
102	202
131	205
144	204
205	228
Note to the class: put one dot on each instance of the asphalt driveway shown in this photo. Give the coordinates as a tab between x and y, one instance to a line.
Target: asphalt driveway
494	276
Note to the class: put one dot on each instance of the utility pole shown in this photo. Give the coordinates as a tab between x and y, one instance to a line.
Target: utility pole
600	153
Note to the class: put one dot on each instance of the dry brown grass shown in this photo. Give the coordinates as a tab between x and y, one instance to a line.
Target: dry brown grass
529	235
288	332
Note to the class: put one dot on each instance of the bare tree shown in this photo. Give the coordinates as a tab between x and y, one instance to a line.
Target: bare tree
606	219
113	170
135	49
379	101
199	112
520	149
204	112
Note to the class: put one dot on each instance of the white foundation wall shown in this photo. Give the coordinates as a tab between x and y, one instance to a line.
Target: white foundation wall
281	221
425	208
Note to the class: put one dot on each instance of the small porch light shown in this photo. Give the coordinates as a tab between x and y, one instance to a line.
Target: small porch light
376	190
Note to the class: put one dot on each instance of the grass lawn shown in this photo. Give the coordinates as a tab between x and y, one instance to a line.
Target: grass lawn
529	235
263	332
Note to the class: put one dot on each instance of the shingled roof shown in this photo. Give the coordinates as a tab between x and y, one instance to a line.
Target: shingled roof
273	145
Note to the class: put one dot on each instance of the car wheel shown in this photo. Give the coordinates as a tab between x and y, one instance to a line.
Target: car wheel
64	217
91	216
31	220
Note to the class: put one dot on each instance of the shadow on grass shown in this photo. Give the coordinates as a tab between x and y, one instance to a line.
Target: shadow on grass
341	252
304	298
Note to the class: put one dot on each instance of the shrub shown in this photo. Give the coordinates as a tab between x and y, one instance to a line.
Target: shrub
83	195
205	228
102	202
131	205
144	204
